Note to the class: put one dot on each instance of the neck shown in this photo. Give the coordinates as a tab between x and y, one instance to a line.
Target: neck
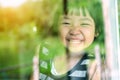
73	58
74	54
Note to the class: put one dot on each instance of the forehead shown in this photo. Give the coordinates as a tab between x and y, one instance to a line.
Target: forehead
79	14
78	18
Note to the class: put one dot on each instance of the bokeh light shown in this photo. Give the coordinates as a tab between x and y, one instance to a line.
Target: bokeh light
34	29
11	3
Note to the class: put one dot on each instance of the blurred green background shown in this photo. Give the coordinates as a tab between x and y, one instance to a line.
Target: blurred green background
23	27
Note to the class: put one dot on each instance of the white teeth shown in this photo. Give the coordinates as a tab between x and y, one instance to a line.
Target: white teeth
75	41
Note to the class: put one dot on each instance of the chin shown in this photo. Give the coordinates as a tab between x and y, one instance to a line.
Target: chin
75	50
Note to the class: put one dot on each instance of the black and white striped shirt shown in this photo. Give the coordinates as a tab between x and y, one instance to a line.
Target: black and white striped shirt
78	72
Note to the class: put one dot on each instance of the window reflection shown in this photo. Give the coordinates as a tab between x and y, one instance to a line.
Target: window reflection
78	51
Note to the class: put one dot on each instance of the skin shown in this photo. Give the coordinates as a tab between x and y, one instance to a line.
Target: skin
77	32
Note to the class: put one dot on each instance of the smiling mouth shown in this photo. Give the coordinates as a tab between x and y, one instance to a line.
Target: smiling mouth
75	40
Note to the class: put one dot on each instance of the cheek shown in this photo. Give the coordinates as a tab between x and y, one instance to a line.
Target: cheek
63	34
89	35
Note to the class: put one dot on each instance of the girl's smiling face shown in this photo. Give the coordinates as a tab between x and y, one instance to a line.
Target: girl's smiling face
77	31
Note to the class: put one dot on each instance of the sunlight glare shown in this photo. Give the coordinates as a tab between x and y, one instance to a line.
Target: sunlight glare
34	28
11	3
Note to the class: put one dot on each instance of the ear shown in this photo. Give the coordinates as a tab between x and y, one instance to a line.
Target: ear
96	34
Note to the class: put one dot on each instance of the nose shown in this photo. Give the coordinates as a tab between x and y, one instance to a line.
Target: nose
74	31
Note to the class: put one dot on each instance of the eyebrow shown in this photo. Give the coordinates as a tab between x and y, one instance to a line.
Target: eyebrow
85	19
66	17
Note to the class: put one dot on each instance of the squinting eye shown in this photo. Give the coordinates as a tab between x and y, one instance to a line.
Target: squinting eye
66	23
85	24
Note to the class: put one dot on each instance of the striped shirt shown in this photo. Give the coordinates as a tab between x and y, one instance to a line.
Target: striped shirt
78	72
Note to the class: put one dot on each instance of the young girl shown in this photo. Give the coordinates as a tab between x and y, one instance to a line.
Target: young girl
77	32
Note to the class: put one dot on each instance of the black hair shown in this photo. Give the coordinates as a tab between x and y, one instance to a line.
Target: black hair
94	7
